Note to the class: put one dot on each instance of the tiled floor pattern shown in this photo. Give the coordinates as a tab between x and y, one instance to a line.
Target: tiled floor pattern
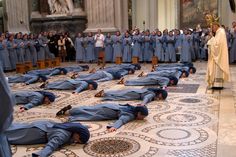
185	125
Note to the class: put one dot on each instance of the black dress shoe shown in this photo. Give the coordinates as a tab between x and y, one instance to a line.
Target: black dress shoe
63	110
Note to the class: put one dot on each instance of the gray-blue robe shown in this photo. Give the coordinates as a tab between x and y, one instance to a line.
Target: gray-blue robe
165	73
117	46
4	56
108	49
99	76
41	51
29	99
80	51
196	44
130	94
119	70
232	55
159	51
41	72
28	56
20	50
27	79
33	51
170	50
148	51
12	54
193	55
146	81
90	56
186	50
48	54
6	111
123	65
41	132
179	68
178	43
136	49
127	54
76	85
107	111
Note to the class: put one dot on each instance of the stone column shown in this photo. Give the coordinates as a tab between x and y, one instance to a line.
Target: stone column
225	13
17	12
103	14
153	14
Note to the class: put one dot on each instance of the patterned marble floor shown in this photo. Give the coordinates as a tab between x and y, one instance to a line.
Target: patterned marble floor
190	123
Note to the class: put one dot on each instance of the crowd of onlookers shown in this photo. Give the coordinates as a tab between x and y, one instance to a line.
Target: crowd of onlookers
169	46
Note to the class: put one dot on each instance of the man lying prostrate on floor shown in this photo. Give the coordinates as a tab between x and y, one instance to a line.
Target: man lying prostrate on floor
165	73
176	65
147	95
54	135
122	71
109	111
190	70
152	80
99	76
49	72
71	84
27	79
30	99
125	66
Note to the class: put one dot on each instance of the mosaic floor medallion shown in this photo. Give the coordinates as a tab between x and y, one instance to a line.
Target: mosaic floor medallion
186	118
193	100
112	147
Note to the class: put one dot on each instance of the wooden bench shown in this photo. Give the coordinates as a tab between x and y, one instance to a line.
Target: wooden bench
135	60
41	64
48	63
28	66
118	60
20	68
154	60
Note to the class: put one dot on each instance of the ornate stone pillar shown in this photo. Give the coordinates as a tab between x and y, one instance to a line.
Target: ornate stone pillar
17	12
106	15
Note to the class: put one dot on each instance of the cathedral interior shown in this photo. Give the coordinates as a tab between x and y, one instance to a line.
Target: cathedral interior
193	121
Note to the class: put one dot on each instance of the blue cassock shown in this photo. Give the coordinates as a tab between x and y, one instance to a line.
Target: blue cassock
89	49
166	73
159	51
41	132
40	72
29	99
170	49
76	85
6	117
202	48
121	71
137	41
123	65
79	47
27	53
33	51
41	51
108	49
107	111
27	79
196	44
146	81
4	56
127	54
178	43
99	76
48	54
232	57
20	50
12	54
75	68
117	46
186	49
179	68
130	94
148	51
193	55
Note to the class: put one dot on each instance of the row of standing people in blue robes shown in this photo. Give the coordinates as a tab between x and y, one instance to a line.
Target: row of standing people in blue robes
23	48
189	45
